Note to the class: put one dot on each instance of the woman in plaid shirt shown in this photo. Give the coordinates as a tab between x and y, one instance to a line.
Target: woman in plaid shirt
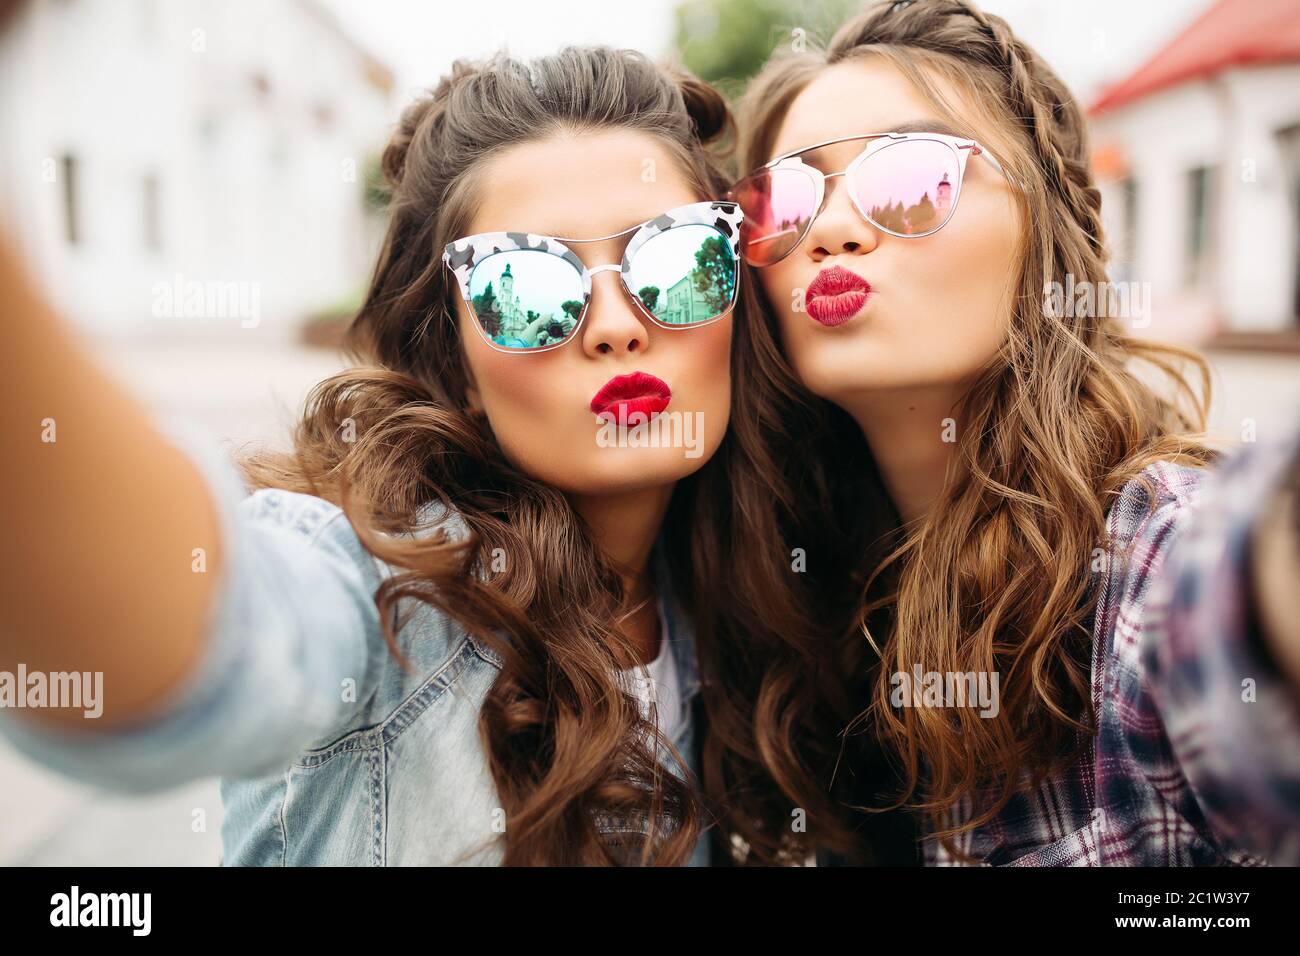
1001	471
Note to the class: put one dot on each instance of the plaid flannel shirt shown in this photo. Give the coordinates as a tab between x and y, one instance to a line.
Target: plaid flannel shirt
1186	767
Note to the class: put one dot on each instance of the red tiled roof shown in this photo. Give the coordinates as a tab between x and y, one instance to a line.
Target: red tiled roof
1230	33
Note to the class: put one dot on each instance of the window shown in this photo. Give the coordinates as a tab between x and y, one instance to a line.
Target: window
152	214
1199	187
1289	142
1128	252
71	223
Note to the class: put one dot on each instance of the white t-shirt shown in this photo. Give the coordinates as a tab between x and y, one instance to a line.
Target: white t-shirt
658	682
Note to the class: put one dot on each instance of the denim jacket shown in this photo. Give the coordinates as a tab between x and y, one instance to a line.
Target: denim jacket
329	751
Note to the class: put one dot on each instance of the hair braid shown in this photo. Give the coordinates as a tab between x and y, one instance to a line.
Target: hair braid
1053	428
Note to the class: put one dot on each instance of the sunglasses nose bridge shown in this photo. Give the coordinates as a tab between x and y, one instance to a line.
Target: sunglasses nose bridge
827	191
593	271
826	181
826	184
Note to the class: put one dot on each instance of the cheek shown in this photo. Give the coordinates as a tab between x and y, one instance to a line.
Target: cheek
779	282
967	292
523	398
518	394
704	357
705	365
801	338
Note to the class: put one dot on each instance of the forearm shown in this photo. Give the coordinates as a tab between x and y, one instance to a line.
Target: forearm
1275	560
1219	657
102	517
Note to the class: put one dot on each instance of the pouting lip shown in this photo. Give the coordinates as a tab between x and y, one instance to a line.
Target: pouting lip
836	295
835	281
627	389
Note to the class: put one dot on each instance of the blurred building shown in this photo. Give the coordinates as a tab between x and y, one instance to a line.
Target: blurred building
1198	154
171	164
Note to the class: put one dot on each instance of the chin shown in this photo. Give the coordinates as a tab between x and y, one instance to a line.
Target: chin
639	468
827	372
620	471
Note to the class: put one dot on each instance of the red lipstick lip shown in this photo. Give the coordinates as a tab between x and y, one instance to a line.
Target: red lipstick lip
836	296
635	392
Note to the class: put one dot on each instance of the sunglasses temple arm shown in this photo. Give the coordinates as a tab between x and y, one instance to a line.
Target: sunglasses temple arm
993	161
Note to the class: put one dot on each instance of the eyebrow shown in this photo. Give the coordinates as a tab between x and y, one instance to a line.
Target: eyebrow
931	126
560	236
813	158
613	235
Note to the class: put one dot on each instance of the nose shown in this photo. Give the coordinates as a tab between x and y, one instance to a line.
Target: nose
613	325
839	228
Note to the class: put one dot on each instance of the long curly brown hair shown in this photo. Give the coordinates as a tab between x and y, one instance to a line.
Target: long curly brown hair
566	747
996	578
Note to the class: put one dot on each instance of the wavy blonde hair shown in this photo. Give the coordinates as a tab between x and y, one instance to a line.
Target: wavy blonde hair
996	577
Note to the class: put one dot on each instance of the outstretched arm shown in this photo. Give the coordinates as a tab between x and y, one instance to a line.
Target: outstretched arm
229	662
1275	562
1221	652
102	517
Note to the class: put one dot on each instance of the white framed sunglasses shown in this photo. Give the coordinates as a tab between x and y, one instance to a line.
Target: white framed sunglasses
530	293
905	184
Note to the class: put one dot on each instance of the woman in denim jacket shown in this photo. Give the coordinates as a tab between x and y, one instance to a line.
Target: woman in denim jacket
454	625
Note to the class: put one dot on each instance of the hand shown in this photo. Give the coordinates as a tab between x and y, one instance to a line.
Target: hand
1275	578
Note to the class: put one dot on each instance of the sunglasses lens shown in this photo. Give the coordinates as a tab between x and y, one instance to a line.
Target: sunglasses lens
778	205
526	299
685	275
908	188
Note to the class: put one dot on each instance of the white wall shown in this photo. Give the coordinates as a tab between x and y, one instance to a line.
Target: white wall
253	187
1230	123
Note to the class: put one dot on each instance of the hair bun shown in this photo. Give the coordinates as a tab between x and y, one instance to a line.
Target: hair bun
708	109
425	109
393	161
